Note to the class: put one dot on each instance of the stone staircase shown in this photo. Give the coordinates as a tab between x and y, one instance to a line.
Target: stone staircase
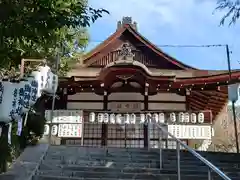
89	163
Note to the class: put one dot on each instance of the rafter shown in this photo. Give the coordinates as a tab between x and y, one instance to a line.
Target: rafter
205	101
218	93
200	94
196	102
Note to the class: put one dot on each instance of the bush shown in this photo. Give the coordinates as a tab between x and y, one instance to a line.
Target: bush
30	135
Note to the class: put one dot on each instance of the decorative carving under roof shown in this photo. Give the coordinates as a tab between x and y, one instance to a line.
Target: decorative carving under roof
126	52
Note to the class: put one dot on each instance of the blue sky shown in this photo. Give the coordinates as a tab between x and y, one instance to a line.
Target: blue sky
174	22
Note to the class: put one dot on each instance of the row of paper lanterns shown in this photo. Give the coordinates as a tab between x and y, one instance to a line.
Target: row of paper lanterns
54	130
156	117
17	97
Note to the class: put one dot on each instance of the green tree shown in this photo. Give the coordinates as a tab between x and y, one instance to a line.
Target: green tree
35	29
233	10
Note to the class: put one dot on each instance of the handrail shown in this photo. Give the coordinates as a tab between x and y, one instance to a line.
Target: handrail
194	153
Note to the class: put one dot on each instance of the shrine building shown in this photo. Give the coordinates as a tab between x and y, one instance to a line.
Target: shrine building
128	74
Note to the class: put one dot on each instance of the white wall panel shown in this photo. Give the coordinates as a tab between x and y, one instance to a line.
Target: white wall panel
85	96
84	105
126	96
167	97
167	106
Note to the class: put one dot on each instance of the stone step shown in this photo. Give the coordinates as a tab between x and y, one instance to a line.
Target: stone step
92	174
104	160
101	156
85	149
104	164
225	168
117	171
101	149
83	152
112	167
7	177
72	160
167	164
162	177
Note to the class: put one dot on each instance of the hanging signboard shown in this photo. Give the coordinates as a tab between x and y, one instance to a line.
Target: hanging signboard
70	130
200	132
64	116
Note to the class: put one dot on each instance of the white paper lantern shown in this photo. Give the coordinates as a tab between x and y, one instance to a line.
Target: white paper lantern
39	78
46	129
126	119
54	130
106	118
142	118
161	118
181	117
133	118
148	117
193	118
51	81
100	117
172	117
92	117
155	118
44	70
112	118
201	117
118	119
6	107
186	118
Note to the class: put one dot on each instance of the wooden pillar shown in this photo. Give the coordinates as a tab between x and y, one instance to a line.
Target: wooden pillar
105	126
145	127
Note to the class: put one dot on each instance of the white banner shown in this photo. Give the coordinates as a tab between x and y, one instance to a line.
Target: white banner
70	130
191	131
64	116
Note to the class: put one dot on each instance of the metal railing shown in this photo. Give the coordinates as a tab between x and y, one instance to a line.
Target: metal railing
210	166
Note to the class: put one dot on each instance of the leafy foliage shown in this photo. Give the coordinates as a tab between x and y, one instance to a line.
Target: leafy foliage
233	10
36	28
